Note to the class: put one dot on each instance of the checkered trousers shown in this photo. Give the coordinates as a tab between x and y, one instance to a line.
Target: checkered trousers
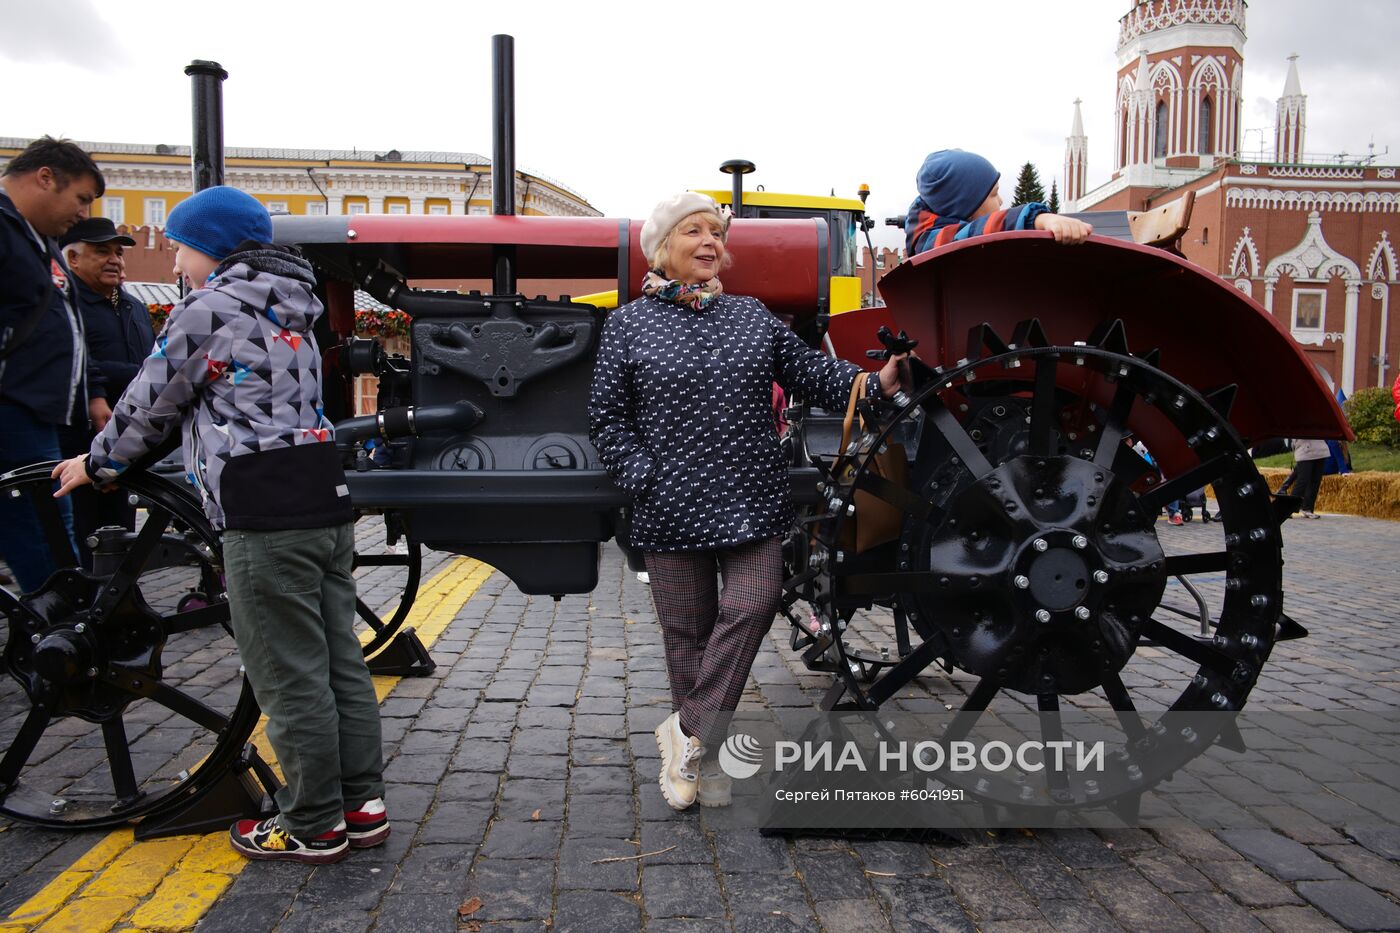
712	635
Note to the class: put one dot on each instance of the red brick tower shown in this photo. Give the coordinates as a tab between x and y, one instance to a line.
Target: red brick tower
1180	67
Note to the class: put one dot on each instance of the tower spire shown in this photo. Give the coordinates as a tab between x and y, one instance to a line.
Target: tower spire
1291	122
1076	158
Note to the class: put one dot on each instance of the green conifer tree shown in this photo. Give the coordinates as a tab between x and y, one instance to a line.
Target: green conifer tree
1054	202
1028	186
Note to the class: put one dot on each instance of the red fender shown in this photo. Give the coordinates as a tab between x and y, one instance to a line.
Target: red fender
778	261
1210	334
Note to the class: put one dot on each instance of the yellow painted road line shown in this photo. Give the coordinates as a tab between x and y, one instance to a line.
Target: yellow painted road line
168	884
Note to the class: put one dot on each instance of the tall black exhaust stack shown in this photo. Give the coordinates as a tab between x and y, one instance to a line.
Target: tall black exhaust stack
503	153
738	168
207	95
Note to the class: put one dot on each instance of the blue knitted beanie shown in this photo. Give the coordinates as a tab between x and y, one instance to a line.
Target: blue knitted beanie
216	220
954	183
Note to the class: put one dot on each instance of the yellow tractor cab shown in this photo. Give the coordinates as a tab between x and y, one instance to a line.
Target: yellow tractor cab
843	217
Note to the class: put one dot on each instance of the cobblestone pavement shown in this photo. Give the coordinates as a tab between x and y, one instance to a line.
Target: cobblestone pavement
527	759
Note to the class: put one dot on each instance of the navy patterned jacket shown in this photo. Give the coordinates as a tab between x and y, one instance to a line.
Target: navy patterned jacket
681	413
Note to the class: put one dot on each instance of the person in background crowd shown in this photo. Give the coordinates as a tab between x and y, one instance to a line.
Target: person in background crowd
119	338
681	412
1338	452
47	188
1174	506
1309	457
1338	459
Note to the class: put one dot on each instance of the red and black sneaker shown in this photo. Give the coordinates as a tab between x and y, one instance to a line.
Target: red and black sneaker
367	825
267	839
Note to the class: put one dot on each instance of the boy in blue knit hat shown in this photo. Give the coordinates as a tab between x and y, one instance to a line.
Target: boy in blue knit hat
958	198
237	369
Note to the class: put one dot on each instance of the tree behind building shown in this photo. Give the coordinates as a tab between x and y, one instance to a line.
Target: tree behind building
1028	186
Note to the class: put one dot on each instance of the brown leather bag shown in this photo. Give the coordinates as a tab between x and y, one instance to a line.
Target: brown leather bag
875	521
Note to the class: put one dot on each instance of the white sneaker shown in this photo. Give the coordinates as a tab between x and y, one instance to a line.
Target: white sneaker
680	763
644	577
715	786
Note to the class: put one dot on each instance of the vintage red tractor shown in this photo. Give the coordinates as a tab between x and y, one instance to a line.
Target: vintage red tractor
1026	550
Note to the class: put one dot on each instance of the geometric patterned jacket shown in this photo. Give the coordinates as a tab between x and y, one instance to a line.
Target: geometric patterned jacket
236	366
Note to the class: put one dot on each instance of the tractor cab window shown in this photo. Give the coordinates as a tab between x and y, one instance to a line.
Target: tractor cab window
841	226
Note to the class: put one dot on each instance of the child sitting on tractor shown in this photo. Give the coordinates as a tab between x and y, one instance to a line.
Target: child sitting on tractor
958	198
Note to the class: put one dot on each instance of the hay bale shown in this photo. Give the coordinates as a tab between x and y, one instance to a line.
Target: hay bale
1370	494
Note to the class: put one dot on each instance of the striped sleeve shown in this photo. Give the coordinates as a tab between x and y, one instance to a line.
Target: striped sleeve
931	231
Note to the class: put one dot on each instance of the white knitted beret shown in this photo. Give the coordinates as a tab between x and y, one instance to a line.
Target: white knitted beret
672	211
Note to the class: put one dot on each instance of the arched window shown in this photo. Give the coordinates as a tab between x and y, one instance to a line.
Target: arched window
1204	144
1159	145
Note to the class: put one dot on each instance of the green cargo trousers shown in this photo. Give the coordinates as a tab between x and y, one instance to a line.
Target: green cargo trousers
292	607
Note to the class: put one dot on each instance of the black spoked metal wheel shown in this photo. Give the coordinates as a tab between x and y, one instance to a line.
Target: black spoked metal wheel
1030	556
387	577
125	695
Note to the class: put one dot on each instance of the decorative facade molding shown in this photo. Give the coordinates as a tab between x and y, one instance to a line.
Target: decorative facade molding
1209	84
1315	171
1313	260
1382	202
1164	14
1381	264
1244	261
1385	173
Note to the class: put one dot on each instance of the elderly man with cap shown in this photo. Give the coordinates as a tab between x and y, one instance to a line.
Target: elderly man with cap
119	338
680	412
47	188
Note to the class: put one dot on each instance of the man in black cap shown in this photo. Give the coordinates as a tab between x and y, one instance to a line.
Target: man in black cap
47	188
119	338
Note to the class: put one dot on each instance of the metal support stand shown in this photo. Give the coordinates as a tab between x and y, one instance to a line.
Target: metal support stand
243	792
405	656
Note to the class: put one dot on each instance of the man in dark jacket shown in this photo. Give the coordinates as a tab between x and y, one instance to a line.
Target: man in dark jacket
119	337
47	188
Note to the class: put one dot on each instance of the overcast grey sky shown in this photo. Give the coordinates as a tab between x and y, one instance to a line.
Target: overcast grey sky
628	102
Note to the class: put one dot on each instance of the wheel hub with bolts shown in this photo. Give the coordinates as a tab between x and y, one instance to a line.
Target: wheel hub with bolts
1048	569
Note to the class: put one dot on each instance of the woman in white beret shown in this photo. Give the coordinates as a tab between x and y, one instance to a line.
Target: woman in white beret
680	412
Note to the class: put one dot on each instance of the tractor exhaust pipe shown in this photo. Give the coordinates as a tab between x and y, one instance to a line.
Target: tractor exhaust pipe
207	151
737	168
503	154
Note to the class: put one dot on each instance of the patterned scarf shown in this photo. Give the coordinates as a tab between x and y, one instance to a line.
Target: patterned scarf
697	297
